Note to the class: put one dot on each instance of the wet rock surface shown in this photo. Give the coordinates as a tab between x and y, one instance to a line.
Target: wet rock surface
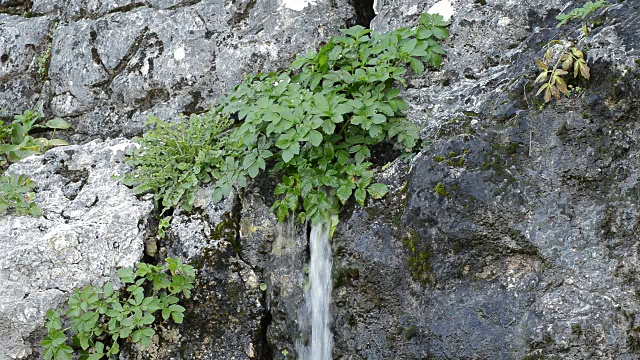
91	226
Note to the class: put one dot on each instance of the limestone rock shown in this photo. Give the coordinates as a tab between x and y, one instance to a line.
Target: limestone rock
91	226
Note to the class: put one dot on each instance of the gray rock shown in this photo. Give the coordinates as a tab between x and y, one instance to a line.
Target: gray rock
115	62
527	248
91	226
206	227
22	41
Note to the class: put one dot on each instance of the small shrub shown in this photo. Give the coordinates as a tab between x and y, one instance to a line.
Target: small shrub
174	159
16	143
16	192
100	318
568	58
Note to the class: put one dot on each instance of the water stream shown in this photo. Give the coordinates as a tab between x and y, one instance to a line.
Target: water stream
318	297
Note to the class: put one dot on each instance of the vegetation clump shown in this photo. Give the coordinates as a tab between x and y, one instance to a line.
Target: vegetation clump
16	143
583	13
568	58
313	124
100	318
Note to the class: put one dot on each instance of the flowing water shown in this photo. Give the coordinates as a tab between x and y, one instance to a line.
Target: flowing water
318	297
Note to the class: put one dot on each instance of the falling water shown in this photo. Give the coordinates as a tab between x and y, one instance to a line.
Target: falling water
318	297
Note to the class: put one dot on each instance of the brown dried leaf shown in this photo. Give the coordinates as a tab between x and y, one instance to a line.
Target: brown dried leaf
542	65
547	95
566	64
549	54
542	77
562	86
585	71
555	92
577	53
576	68
542	88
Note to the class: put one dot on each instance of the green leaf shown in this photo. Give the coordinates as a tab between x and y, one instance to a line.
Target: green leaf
177	317
315	137
344	193
57	123
377	191
126	275
360	195
290	152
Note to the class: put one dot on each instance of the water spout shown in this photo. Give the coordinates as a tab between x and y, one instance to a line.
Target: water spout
318	297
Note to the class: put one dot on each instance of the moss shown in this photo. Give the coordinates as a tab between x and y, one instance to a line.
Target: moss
500	160
456	163
345	276
410	332
227	230
418	258
460	126
441	190
438	158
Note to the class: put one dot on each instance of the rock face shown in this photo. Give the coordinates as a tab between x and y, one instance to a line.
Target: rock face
528	248
513	234
112	63
91	225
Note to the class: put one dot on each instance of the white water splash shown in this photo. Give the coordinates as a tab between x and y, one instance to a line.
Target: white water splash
318	298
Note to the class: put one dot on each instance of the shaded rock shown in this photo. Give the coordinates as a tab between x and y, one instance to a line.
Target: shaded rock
279	253
518	237
224	318
91	226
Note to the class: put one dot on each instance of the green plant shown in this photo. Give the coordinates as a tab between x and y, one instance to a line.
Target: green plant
441	190
101	317
583	13
315	124
16	192
45	57
43	61
16	143
174	158
563	59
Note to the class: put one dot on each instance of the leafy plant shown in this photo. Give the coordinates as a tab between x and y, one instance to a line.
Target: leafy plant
314	124
101	317
566	59
16	192
16	143
174	158
583	13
